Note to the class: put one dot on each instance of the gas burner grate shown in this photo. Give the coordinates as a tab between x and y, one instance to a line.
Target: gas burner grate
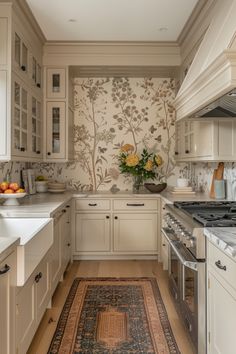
216	219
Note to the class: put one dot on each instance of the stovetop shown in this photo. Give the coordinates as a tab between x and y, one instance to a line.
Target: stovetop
210	214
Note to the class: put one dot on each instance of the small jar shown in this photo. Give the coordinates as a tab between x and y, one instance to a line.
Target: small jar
41	186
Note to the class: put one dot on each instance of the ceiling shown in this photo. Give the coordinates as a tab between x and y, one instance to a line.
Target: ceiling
112	20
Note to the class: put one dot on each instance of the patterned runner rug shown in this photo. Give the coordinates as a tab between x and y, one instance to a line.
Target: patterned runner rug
113	316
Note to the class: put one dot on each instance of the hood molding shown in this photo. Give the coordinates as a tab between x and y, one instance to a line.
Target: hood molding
218	79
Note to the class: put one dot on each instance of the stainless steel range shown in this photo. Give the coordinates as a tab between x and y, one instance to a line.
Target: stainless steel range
184	226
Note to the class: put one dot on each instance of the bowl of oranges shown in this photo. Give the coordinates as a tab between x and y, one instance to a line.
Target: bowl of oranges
11	192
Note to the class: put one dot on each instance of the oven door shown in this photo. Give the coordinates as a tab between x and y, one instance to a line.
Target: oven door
192	294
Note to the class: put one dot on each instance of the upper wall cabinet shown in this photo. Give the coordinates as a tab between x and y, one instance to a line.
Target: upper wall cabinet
20	87
206	140
58	113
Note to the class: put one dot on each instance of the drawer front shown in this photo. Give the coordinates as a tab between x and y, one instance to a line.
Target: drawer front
222	264
92	204
136	204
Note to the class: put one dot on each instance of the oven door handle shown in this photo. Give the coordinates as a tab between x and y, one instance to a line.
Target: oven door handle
184	255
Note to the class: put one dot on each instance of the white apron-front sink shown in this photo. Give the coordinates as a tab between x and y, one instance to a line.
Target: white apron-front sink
36	237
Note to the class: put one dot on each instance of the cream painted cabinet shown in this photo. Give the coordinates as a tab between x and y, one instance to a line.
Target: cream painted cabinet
65	237
7	304
20	84
221	303
116	228
206	140
135	233
92	232
59	115
31	302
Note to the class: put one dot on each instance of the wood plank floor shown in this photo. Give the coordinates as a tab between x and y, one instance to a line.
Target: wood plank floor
114	268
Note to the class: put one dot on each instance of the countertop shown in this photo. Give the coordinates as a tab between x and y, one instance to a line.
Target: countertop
224	238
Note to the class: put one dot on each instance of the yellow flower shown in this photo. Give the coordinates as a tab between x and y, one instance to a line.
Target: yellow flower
127	147
132	160
158	160
149	165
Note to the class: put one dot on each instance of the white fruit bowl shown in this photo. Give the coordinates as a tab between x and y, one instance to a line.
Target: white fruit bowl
11	199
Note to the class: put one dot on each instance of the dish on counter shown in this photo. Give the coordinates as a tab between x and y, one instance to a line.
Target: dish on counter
11	199
155	188
56	190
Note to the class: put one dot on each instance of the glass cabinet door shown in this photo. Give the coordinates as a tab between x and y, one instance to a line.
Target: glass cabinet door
56	130
56	83
20	119
36	127
21	53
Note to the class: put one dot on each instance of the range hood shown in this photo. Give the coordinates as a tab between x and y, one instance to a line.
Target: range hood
209	88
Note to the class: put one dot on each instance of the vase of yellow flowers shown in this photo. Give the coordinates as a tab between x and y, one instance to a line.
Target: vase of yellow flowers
142	166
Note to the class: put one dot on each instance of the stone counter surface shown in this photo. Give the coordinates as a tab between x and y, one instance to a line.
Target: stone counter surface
224	238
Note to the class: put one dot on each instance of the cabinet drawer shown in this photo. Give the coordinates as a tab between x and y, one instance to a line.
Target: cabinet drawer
92	204
217	259
136	204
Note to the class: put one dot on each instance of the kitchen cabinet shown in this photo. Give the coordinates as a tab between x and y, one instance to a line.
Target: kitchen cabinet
20	77
221	301
31	302
60	254
164	245
205	140
7	304
135	233
116	228
92	232
59	115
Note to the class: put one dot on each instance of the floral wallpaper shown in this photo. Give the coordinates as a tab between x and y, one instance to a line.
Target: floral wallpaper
110	112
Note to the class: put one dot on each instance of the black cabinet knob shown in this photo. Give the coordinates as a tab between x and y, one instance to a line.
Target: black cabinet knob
23	67
108	217
176	153
22	149
5	269
187	151
68	206
68	244
49	153
116	217
38	152
38	85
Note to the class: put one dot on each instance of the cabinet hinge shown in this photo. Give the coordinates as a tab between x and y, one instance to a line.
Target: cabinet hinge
209	337
209	283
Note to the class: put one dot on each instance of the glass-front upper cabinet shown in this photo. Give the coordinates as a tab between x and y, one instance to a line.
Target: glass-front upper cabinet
36	73
56	130
56	83
20	53
20	119
36	127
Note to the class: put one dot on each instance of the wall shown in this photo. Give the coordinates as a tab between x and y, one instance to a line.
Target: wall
109	113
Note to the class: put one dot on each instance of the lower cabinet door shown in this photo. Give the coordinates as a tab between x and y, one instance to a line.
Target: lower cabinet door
25	316
7	304
92	232
221	316
42	288
55	261
135	233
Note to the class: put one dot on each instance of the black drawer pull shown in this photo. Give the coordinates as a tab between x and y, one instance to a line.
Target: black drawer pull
219	265
5	269
38	152
91	204
130	204
22	149
23	67
38	85
176	153
68	206
187	151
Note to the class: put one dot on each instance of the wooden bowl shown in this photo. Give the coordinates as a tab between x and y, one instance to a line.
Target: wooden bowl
155	188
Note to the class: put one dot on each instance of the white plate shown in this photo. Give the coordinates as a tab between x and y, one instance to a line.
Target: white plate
56	190
11	199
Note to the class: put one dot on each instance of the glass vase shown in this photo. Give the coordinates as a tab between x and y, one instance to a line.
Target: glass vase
137	184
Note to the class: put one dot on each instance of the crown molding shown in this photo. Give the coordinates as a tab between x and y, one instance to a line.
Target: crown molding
26	11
